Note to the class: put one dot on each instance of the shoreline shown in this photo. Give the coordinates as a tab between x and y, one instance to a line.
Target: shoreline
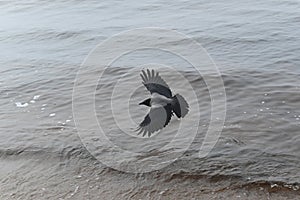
84	178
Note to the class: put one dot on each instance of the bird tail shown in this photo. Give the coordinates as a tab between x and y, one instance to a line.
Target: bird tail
180	106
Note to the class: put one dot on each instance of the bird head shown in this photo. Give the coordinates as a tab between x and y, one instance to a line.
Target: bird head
146	102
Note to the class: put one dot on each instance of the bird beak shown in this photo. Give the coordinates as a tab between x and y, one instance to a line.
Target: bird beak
141	103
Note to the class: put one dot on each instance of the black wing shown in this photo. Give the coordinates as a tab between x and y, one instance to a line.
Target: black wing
156	119
154	83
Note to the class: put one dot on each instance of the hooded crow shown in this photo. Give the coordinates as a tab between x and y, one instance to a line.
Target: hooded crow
162	104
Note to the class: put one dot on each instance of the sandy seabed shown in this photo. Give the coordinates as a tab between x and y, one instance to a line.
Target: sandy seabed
33	177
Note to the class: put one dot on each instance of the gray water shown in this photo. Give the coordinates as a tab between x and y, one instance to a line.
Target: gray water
256	46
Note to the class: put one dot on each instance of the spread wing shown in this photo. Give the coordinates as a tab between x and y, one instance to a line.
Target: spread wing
154	83
156	119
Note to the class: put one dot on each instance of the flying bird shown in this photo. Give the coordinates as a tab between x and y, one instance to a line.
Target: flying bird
162	104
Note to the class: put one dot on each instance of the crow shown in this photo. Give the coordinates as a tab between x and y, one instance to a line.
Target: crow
162	104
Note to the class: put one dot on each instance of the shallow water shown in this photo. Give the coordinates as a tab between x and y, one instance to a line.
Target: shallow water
256	46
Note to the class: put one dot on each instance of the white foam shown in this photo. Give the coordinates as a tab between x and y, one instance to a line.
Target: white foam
36	97
21	105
